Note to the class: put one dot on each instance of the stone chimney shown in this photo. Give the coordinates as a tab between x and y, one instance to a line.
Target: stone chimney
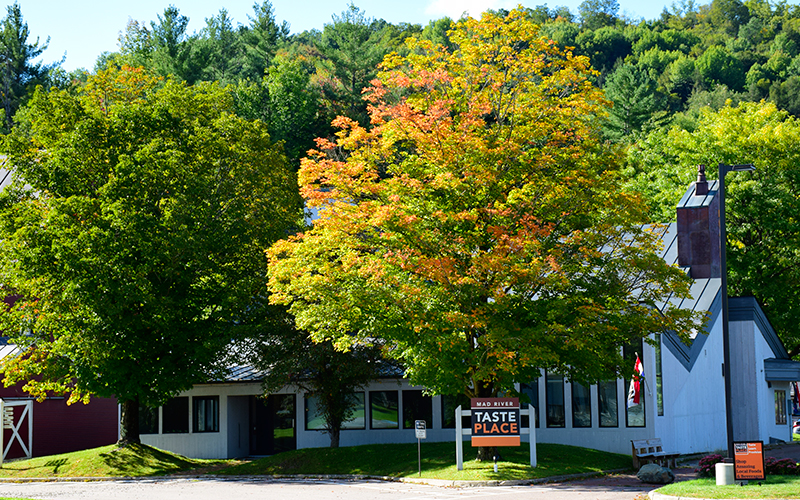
698	228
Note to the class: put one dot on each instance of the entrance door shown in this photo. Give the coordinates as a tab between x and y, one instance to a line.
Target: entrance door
272	422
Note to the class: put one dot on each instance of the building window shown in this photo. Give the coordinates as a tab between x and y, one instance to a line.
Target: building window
554	395
780	407
417	406
148	420
581	405
383	410
176	416
531	391
607	403
449	405
659	378
315	422
205	414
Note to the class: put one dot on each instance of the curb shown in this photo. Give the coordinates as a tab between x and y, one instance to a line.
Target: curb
654	495
442	483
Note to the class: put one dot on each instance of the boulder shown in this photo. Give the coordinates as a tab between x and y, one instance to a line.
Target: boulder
655	474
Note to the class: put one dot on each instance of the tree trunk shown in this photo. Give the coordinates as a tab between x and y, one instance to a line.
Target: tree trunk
334	434
487	453
129	423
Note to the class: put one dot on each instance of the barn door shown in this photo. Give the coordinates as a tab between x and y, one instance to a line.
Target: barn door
19	428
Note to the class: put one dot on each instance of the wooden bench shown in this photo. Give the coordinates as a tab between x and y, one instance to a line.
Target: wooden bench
650	450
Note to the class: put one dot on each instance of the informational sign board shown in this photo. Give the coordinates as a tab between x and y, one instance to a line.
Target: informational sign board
748	464
420	429
495	421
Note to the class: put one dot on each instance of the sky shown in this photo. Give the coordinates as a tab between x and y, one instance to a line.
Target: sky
83	29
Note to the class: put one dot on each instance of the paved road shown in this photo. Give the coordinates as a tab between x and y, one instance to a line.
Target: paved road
291	489
617	487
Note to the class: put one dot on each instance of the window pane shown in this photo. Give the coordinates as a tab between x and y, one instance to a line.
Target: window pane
780	407
416	406
554	389
315	422
176	416
383	410
634	413
449	405
531	390
206	413
607	402
148	420
357	419
581	406
659	379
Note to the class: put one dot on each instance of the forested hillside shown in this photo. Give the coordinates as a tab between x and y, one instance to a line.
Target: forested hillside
711	83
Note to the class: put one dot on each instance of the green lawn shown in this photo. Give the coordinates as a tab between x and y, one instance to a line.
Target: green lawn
134	460
773	487
438	462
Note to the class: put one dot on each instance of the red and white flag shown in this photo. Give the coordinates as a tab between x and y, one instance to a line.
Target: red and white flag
635	390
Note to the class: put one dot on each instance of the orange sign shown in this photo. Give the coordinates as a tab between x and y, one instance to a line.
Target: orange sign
495	422
748	461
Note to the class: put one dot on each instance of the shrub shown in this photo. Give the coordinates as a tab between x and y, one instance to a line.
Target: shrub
706	466
783	467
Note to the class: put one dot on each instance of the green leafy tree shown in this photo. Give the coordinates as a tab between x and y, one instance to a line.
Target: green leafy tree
288	356
729	15
762	207
135	232
717	65
224	47
261	40
18	72
466	228
598	13
635	99
165	47
604	47
354	45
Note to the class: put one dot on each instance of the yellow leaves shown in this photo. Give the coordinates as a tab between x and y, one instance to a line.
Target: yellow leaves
123	85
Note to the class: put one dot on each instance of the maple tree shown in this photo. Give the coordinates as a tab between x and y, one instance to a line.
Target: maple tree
477	228
134	233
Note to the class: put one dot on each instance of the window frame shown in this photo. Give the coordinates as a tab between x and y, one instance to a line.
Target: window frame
169	416
373	396
416	404
551	423
197	403
576	404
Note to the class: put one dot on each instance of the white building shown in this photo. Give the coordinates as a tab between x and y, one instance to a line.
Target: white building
683	400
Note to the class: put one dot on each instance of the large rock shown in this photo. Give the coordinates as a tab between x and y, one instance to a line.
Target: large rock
655	474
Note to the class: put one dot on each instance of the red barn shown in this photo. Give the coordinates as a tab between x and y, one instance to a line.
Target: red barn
51	427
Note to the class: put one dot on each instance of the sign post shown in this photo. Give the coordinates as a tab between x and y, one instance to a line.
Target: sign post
421	433
748	464
530	430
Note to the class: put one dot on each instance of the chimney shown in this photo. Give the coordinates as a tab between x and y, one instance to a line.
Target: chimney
698	228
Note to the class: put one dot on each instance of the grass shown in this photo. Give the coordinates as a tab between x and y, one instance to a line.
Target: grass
133	460
438	462
400	460
772	487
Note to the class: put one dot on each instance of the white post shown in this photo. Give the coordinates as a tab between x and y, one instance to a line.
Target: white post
532	434
459	441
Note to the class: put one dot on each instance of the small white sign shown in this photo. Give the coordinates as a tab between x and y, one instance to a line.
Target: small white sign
419	429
